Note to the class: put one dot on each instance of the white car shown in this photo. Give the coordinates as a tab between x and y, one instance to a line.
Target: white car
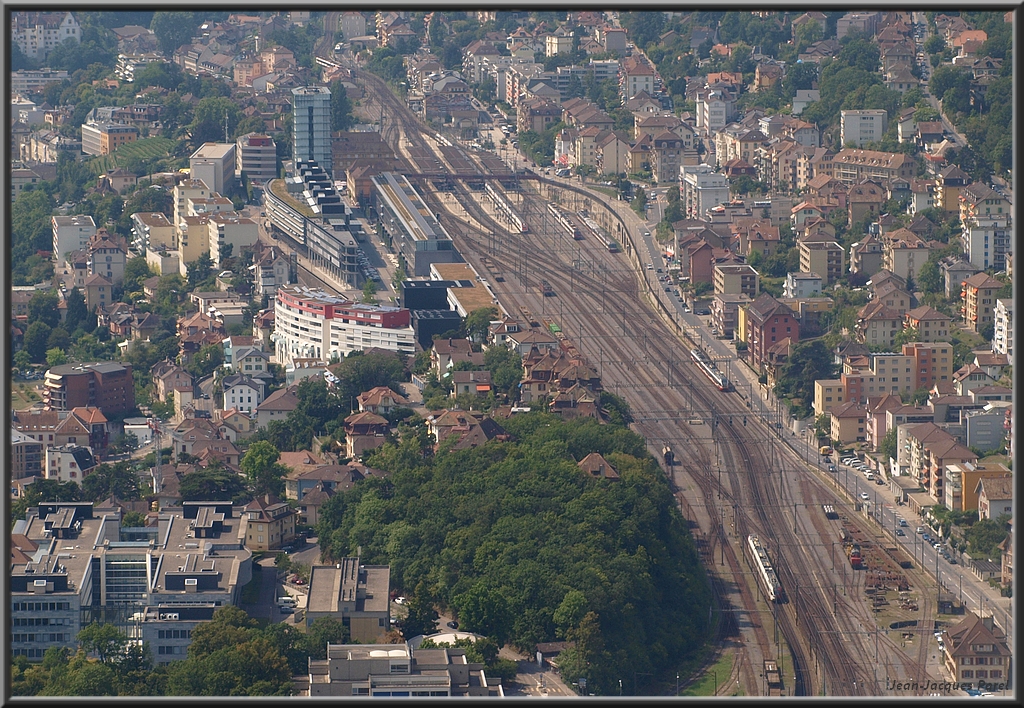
864	496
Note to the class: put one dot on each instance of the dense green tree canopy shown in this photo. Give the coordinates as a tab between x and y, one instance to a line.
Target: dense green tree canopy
502	534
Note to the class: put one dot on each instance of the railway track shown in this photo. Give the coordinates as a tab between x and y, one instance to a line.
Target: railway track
663	411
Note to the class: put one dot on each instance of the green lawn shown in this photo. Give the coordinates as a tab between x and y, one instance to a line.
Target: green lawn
715	675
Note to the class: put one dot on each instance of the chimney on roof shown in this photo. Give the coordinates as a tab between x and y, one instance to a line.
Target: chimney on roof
987	621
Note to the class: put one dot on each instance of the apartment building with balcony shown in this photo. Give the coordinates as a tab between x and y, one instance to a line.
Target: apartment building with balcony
826	258
105	138
979	300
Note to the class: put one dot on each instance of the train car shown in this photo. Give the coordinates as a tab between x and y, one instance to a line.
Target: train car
545	286
503	207
898	555
853	552
830	511
564	222
611	245
766	576
707	366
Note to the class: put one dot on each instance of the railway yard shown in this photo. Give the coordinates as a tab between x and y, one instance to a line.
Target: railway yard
833	629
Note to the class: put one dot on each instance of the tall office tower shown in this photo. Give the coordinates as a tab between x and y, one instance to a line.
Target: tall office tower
311	111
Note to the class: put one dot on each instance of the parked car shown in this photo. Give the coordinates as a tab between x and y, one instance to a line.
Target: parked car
920	529
926	537
453	625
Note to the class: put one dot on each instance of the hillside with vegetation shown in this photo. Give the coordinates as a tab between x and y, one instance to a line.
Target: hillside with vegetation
521	545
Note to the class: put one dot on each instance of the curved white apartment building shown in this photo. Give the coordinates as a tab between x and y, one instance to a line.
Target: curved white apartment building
310	324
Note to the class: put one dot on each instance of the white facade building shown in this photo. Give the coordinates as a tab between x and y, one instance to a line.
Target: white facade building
1002	340
859	127
68	463
702	188
71	233
214	163
802	285
310	324
230	229
311	125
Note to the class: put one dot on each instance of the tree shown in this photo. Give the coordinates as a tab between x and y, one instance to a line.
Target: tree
133	519
370	290
207	360
208	119
35	340
104	640
78	313
58	339
43	308
118	480
888	445
214	483
199	270
136	270
639	203
55	357
173	29
265	474
478	321
341	107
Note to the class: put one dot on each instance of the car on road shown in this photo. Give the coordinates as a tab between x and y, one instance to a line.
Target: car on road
900	532
952	560
864	496
650	266
920	529
902	521
833	468
453	625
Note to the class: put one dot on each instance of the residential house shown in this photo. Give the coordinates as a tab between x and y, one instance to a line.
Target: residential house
472	383
267	523
381	400
848	423
242	392
366	431
905	253
995	497
597	467
975	650
930	324
767	322
864	199
949	183
866	255
962	481
277	405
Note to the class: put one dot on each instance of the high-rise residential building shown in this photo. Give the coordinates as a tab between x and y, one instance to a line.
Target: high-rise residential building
311	125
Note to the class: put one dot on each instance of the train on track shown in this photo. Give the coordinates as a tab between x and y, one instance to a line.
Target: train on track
505	209
766	576
565	222
706	365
